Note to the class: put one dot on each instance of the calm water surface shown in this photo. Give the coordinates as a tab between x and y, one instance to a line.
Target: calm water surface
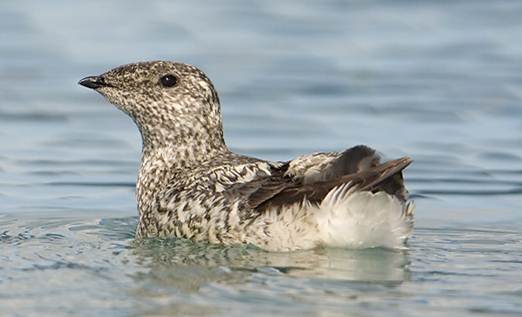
440	81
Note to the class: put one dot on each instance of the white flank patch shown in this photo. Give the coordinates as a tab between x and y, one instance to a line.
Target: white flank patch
346	218
352	219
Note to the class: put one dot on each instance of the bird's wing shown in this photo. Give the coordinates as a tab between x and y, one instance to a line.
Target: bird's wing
279	189
373	179
329	166
262	188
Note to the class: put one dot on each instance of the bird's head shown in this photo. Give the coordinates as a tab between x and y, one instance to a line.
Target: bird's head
172	103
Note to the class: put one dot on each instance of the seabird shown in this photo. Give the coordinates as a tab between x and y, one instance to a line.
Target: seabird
190	185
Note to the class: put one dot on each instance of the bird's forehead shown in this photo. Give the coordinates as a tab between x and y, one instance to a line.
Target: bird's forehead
147	69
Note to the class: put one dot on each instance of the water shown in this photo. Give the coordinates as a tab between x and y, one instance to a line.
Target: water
436	80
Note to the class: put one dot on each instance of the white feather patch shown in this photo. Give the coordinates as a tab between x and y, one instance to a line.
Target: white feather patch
359	219
346	218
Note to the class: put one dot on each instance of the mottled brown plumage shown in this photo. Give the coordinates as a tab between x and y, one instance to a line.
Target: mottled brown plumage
190	185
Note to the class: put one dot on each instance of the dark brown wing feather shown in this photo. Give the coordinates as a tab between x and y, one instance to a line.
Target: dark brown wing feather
262	189
386	177
355	159
279	190
352	160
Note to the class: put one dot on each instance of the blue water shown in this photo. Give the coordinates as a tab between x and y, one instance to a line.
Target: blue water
440	81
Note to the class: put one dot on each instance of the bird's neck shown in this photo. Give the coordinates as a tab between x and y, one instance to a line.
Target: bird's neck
168	153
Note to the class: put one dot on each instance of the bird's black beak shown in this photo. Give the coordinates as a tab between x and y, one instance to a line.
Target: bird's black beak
94	82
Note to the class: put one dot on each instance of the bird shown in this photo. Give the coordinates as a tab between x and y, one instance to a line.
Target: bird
190	185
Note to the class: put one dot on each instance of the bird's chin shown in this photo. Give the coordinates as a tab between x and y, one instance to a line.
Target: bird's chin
110	93
118	104
104	91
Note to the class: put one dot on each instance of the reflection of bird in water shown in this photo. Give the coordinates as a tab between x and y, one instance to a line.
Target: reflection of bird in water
190	266
191	185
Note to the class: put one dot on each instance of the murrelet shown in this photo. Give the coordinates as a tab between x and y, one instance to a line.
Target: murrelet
190	185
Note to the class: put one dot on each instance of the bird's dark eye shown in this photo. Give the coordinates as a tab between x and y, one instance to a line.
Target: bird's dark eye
168	80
